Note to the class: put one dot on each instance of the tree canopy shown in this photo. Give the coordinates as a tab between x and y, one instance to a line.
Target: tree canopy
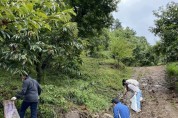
33	33
93	15
166	27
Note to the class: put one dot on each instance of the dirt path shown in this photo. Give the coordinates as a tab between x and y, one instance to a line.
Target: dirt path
159	102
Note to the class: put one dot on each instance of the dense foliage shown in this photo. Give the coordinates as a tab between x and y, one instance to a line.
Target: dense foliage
132	50
172	75
172	69
93	15
124	46
36	33
166	26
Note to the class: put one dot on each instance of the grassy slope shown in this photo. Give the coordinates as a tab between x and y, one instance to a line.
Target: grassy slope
98	84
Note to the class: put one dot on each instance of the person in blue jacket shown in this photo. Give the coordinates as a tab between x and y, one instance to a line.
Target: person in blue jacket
120	110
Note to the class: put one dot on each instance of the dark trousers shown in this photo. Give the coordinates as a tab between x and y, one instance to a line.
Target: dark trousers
33	108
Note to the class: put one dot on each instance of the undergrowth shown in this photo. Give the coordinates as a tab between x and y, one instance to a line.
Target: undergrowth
172	75
172	69
94	88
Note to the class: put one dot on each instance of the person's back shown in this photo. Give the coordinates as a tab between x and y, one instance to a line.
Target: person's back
120	110
133	88
32	90
132	81
123	110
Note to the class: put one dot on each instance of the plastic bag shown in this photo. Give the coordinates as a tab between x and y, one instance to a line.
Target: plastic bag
10	110
134	103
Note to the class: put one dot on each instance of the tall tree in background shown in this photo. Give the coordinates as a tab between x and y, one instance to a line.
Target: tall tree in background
93	15
130	49
116	24
166	27
142	53
97	43
120	46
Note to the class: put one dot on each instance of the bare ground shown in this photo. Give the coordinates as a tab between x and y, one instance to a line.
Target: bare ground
159	101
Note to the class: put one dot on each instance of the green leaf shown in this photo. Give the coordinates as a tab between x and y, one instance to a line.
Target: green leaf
47	26
42	15
30	6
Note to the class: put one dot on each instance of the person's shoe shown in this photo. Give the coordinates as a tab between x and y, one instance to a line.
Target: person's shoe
138	111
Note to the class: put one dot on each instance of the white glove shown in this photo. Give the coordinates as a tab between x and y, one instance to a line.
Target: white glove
141	98
13	98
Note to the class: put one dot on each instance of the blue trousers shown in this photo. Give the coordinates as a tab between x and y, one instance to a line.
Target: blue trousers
33	108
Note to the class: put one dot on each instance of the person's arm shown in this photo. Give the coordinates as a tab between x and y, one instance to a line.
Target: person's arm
125	90
116	112
24	89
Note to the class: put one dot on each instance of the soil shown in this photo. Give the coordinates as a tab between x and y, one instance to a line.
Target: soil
159	101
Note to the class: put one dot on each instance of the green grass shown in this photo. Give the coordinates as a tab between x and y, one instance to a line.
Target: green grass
172	72
172	69
94	88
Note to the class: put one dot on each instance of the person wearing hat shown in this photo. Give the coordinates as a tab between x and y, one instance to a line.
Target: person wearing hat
120	110
30	92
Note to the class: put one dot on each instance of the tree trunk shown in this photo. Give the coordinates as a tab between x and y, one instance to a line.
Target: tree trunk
38	67
46	61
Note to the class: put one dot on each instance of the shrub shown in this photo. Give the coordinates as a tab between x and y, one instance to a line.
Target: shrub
172	69
172	74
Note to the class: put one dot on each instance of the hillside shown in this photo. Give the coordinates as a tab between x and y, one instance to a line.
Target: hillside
89	91
90	94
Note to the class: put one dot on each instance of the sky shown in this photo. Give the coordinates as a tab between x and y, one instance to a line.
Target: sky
138	15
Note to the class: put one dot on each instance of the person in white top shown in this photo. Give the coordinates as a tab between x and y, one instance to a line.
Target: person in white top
133	86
